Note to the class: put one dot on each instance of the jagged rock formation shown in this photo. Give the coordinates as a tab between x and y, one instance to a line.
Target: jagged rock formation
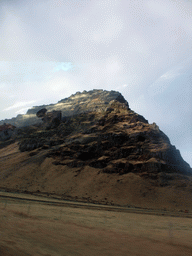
51	119
41	113
95	100
100	149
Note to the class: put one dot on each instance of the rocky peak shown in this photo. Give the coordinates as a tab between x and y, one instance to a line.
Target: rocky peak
102	125
94	100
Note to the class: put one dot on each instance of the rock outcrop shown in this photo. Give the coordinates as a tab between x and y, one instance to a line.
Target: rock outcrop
94	138
6	131
41	113
95	100
51	119
112	138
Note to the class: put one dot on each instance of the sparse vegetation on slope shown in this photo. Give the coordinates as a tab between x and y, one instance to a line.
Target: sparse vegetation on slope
108	154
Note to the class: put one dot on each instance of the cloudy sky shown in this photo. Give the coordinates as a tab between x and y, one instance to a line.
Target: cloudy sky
49	49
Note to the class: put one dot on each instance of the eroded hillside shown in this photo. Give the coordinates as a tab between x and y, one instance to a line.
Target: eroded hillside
107	154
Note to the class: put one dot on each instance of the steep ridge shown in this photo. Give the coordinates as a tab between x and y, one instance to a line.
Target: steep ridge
101	151
95	100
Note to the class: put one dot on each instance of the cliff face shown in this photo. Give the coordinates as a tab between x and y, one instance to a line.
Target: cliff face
101	151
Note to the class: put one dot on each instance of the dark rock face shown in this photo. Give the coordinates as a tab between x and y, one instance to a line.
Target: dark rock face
103	133
51	119
41	113
6	130
119	141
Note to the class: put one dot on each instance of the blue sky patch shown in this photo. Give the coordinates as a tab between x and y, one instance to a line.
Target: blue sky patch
65	66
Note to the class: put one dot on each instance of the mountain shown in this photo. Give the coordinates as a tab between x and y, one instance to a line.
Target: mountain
73	105
92	147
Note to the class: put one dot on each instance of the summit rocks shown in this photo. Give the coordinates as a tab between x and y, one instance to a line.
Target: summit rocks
95	100
99	150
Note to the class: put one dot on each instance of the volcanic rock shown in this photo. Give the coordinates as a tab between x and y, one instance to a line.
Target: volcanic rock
95	100
51	119
6	130
100	148
41	113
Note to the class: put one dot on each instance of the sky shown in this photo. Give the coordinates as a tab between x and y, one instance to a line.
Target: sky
50	49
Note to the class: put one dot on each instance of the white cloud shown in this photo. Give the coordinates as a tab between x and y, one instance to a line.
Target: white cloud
15	40
21	111
163	9
107	30
19	104
168	75
57	84
166	79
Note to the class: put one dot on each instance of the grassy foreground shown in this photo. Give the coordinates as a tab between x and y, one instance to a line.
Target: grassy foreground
32	228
